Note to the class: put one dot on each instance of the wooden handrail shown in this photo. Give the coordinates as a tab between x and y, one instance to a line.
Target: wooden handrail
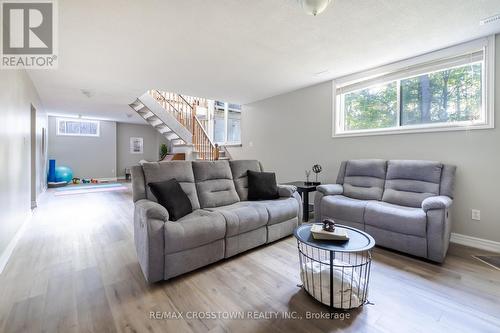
179	111
184	110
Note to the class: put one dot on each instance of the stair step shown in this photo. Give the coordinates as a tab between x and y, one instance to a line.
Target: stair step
160	127
137	105
142	110
147	114
155	122
164	129
171	136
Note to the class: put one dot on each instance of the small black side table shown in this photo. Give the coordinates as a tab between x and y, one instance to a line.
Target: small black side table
304	190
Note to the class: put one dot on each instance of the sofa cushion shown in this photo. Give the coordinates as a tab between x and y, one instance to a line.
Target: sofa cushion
400	219
262	186
180	170
408	182
196	229
171	196
343	208
239	170
280	210
242	217
364	179
214	184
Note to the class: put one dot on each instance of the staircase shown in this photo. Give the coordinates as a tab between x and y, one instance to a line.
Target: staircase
175	117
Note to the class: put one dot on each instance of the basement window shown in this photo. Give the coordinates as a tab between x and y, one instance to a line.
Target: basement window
77	127
450	89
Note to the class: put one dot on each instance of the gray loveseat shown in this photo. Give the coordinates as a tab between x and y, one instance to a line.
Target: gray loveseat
404	205
223	223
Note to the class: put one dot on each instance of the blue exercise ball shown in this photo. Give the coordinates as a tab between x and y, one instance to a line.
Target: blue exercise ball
64	174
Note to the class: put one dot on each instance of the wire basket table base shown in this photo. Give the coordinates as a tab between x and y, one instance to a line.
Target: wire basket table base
335	275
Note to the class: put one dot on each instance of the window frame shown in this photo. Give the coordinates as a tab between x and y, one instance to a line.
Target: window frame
61	119
227	108
487	45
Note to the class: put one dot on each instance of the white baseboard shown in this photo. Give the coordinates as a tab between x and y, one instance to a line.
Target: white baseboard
478	243
5	256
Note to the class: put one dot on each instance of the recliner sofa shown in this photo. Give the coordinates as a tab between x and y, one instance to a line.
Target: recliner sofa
403	204
223	222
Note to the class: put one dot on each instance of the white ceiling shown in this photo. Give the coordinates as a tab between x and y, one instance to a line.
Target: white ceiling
236	50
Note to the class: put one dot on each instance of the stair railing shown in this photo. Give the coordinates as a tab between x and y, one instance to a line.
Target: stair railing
173	104
207	150
184	110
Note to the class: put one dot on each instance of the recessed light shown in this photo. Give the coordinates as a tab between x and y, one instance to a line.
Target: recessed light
489	19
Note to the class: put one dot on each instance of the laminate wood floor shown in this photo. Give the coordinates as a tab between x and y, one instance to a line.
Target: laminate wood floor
75	270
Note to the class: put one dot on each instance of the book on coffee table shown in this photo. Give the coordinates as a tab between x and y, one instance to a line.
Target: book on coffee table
320	234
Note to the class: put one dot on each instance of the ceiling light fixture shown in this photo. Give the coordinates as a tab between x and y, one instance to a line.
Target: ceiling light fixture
489	19
314	7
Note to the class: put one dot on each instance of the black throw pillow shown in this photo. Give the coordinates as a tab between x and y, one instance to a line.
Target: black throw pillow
170	195
262	186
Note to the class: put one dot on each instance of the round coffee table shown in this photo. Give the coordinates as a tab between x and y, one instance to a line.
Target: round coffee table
336	273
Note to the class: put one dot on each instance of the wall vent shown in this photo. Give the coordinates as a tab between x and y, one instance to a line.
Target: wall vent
490	19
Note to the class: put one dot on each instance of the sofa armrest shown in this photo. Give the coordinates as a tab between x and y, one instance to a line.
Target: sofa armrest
151	210
436	202
331	189
286	191
149	238
438	226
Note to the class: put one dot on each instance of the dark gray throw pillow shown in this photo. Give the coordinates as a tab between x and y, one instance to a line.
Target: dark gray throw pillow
262	186
170	195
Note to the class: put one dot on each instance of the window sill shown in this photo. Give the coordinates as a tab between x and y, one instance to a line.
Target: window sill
413	130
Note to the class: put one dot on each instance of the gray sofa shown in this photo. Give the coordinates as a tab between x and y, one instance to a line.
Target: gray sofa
223	223
404	205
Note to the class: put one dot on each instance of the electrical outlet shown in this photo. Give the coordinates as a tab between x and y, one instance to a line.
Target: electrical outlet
476	214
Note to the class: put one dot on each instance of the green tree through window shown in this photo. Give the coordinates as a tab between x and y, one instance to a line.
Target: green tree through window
446	96
374	107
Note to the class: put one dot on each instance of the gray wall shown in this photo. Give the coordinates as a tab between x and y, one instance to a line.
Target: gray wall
89	157
17	93
291	132
152	141
105	156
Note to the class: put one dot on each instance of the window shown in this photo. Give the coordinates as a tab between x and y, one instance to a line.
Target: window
219	124
234	124
77	127
450	89
227	123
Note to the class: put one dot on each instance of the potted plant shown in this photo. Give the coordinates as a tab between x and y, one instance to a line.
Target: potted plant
163	151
